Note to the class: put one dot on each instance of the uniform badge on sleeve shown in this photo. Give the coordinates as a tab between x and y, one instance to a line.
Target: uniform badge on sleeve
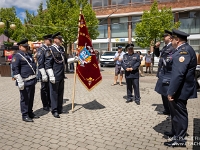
48	53
181	59
39	53
14	59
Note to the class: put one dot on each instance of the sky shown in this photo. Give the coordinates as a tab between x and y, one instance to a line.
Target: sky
22	5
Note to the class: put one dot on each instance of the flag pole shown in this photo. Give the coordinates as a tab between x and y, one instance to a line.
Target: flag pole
75	64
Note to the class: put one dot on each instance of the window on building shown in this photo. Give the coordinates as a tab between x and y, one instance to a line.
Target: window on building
135	19
103	45
99	3
119	27
194	42
137	1
190	22
195	45
103	31
120	2
95	46
103	28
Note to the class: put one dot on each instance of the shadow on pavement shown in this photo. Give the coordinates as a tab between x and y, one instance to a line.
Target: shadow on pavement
93	105
41	112
159	107
196	134
162	127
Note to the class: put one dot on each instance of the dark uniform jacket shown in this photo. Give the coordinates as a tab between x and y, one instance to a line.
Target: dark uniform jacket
41	56
131	61
41	52
55	60
182	83
20	66
164	69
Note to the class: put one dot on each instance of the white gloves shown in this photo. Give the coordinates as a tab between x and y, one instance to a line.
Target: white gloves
44	75
19	81
51	76
72	60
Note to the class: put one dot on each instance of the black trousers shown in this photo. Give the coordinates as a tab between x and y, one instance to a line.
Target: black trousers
45	94
133	83
165	103
56	95
26	100
179	118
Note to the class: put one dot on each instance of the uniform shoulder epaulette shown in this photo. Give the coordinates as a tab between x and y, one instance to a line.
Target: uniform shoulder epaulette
183	51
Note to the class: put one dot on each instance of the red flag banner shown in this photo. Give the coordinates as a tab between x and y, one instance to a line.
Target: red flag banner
87	69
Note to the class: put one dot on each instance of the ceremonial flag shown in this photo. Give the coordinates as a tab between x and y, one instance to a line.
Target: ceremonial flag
87	68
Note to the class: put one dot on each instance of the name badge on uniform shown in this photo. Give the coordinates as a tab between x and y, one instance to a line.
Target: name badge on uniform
183	52
134	58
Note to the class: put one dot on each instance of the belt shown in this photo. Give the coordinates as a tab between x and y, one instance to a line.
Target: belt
118	65
29	78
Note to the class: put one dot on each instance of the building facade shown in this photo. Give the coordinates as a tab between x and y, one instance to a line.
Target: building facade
117	19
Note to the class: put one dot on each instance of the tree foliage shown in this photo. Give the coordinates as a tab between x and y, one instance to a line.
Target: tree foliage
61	16
9	14
153	24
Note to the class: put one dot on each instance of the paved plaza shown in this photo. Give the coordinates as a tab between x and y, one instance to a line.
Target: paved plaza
101	120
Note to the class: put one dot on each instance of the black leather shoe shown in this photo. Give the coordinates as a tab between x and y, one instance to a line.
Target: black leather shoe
56	115
163	113
27	119
46	108
33	116
137	102
175	144
61	112
170	134
168	118
129	100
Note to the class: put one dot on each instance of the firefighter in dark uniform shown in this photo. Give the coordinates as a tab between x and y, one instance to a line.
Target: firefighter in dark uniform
131	62
182	87
164	70
44	91
55	66
24	71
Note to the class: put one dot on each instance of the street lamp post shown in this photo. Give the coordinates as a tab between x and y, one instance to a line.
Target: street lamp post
2	25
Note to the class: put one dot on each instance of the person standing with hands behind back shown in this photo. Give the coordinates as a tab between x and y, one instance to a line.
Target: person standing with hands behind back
131	62
118	66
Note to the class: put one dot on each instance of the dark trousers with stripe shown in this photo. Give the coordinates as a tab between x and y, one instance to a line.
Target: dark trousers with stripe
44	93
179	118
133	83
26	100
56	95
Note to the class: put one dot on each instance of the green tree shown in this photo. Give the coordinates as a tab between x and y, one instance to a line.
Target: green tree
61	16
153	24
9	14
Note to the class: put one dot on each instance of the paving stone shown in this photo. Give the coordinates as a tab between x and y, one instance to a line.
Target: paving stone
72	146
101	121
91	147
